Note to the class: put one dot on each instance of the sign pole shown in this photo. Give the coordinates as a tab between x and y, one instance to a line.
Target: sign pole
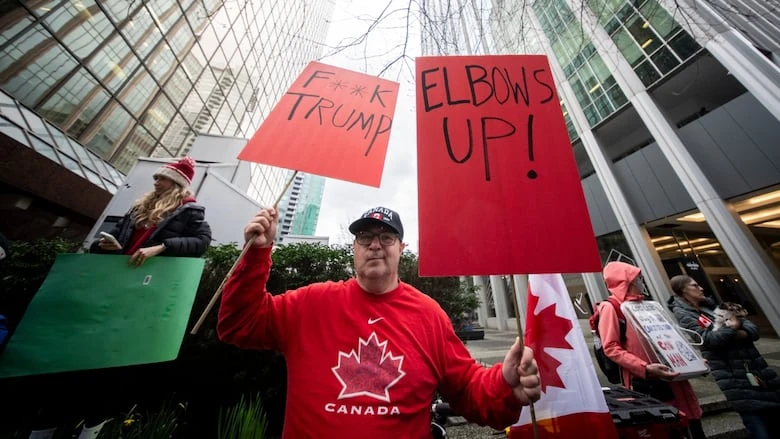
248	244
522	344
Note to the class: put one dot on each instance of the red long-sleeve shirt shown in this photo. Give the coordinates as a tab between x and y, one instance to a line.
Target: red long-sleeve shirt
360	364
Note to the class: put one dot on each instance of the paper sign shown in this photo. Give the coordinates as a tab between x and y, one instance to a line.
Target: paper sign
662	342
498	186
95	311
332	122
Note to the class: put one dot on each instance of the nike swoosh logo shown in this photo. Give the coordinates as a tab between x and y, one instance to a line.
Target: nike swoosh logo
372	321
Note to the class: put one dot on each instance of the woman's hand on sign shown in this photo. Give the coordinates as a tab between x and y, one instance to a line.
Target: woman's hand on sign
142	254
662	371
261	230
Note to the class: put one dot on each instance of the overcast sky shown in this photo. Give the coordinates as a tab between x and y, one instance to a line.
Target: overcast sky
343	201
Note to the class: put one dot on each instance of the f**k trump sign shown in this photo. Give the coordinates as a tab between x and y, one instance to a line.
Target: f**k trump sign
331	122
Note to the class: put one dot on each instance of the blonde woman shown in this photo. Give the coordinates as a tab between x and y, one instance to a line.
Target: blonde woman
165	221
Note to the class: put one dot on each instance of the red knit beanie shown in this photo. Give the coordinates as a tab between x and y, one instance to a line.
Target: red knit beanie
181	172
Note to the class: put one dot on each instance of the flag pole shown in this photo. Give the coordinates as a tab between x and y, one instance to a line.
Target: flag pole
522	344
247	245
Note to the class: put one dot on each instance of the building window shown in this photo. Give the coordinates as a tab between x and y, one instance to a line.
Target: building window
75	103
649	38
32	64
594	86
109	130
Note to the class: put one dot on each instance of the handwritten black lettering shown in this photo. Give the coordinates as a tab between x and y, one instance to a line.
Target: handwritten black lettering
480	80
425	87
530	133
504	87
315	75
322	103
492	128
346	121
448	141
378	96
517	89
485	84
486	137
338	84
328	113
298	101
385	122
447	90
496	71
545	85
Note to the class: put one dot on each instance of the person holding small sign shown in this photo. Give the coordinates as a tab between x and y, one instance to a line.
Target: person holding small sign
365	356
751	387
165	221
638	371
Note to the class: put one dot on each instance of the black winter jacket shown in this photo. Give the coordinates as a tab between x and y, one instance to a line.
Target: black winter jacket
185	232
729	359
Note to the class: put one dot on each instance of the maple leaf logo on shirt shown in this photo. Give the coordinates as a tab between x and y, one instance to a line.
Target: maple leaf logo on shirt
371	371
547	330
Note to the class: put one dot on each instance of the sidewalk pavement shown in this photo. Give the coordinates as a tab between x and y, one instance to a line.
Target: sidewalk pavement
719	421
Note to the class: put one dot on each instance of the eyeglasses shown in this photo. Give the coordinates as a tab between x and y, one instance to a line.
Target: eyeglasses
385	238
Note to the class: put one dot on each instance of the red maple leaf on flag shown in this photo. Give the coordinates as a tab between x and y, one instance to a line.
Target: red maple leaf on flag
371	371
546	330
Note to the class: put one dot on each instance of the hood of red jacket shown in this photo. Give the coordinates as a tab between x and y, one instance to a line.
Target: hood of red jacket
619	276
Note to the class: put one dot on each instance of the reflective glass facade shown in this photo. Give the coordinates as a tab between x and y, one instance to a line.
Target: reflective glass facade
595	87
27	128
655	110
130	79
300	206
647	36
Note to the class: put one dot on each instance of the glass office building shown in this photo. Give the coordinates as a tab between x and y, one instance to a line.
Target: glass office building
673	111
89	86
300	206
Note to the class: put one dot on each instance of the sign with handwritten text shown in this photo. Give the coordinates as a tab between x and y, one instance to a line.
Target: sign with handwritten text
498	186
661	340
331	122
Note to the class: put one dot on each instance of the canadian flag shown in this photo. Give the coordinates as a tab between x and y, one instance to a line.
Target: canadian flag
572	403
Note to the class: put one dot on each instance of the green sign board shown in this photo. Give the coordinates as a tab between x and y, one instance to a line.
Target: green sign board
96	311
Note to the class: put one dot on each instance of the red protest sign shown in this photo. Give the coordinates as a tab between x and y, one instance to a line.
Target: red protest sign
498	186
331	122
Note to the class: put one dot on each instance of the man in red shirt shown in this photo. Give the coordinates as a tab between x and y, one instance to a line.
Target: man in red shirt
365	356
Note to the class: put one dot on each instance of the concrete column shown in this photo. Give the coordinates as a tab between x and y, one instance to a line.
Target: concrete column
753	264
521	292
757	73
594	285
483	313
636	235
499	300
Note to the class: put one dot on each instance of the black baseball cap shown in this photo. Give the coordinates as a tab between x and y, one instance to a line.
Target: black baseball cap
378	215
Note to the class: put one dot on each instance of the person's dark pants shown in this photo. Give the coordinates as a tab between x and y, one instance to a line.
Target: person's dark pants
759	425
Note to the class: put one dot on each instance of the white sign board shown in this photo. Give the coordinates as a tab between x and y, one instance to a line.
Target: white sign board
662	341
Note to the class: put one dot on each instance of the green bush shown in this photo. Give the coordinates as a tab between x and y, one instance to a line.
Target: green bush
455	298
214	374
22	274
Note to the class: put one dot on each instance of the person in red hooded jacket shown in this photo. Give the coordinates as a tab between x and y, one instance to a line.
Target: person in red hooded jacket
624	284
